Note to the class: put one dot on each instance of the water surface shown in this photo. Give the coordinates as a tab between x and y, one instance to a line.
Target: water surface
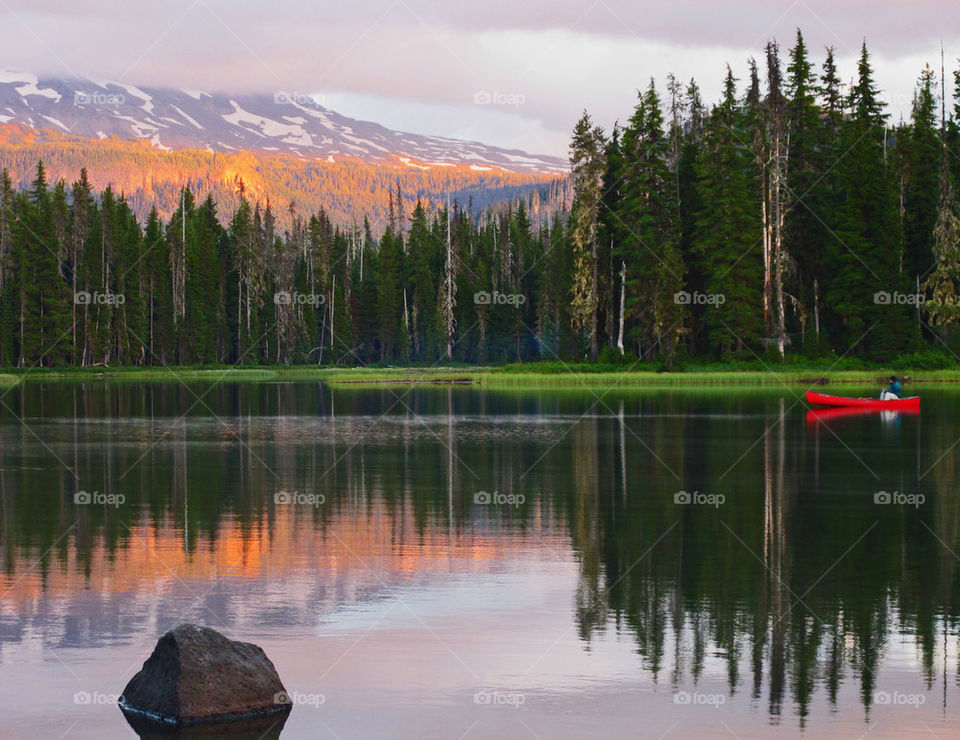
452	562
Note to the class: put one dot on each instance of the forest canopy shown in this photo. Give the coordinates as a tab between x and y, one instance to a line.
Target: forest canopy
790	218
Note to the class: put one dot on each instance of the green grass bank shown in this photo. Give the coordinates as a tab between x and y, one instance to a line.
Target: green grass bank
533	375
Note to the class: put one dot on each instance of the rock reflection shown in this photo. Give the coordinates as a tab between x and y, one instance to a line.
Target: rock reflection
262	728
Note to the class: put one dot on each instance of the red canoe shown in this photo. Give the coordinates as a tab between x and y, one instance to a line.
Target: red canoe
822	399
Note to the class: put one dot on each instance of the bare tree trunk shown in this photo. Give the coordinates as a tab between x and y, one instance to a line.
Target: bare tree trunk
623	305
239	310
23	309
901	213
448	301
816	309
766	255
73	307
323	327
151	314
919	322
778	212
594	348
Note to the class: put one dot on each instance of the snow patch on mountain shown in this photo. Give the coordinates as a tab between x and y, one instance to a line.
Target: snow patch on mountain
188	118
55	122
29	85
136	92
155	141
267	127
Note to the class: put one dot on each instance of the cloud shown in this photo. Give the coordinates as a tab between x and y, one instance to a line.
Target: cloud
895	25
417	64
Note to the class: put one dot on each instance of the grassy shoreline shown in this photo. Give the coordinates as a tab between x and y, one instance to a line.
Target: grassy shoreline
510	376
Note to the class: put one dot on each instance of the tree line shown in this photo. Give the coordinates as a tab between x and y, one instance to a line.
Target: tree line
81	283
790	218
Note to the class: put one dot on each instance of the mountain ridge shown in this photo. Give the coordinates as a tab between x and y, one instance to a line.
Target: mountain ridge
348	191
284	122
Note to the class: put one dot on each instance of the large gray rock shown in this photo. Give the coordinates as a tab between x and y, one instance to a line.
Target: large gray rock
196	675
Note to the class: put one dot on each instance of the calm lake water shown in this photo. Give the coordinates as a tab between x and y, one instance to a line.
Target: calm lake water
450	562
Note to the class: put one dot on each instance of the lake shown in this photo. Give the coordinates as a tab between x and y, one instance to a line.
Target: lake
464	563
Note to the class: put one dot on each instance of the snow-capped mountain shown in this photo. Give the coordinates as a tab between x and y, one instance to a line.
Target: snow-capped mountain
280	123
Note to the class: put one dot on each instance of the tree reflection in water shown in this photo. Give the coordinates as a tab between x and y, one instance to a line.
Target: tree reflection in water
797	581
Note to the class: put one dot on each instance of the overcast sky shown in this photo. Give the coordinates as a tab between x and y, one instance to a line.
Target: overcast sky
420	65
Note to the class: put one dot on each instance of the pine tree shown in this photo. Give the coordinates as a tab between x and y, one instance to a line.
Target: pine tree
126	281
953	133
943	285
692	205
204	320
81	215
554	313
247	271
651	251
8	286
158	300
522	314
43	311
804	222
587	166
422	259
390	295
364	300
829	192
831	88
610	235
920	179
863	248
177	243
725	249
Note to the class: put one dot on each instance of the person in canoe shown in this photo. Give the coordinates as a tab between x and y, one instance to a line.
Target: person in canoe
893	392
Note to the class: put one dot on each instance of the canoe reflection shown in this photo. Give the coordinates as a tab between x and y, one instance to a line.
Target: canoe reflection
816	416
